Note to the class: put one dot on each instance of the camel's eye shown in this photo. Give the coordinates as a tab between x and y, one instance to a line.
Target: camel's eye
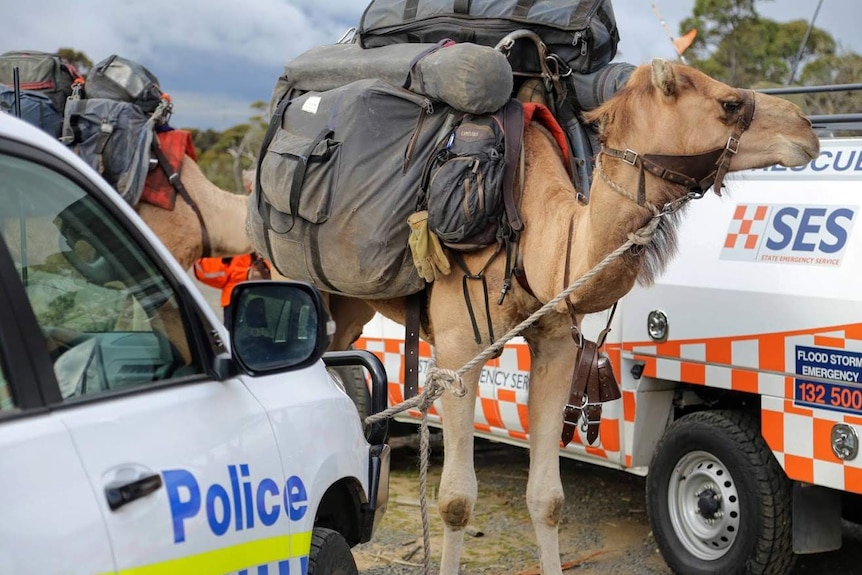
731	107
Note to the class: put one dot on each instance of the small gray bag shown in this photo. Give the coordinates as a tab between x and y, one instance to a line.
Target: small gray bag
114	138
116	78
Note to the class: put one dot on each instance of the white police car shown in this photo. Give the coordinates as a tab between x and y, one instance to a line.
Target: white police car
132	440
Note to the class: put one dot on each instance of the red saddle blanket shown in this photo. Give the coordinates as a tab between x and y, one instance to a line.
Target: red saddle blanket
158	191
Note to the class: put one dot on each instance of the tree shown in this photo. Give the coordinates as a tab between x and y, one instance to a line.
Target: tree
834	69
735	45
78	59
223	156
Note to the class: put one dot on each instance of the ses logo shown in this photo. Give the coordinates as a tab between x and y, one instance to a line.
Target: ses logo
807	235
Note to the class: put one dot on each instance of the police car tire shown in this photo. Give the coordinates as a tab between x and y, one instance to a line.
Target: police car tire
330	554
763	544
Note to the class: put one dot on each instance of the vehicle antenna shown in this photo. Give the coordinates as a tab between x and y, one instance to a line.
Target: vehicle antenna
667	31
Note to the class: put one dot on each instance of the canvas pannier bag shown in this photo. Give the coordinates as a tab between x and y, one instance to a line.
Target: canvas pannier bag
116	78
40	72
36	108
583	33
338	177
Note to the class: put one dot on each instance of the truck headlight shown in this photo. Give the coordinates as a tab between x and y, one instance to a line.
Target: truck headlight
657	325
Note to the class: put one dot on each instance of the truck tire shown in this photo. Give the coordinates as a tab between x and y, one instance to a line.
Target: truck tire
330	554
718	502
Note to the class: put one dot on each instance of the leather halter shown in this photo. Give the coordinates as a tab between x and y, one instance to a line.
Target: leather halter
697	172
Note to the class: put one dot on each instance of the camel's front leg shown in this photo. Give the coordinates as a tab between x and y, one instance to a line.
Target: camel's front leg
458	488
550	376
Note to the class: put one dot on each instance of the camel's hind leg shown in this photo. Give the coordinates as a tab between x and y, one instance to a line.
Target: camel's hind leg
350	315
552	362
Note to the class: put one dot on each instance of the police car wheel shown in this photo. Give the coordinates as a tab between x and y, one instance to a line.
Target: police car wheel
718	501
330	554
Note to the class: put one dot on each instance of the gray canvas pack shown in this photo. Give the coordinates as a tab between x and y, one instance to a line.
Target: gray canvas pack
583	33
36	108
114	138
338	177
40	72
468	77
117	78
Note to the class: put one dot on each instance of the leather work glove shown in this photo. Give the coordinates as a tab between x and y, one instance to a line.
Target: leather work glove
428	255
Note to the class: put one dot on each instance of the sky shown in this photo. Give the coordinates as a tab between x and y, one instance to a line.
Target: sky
216	57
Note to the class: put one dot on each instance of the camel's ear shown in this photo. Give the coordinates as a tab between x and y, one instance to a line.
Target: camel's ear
663	77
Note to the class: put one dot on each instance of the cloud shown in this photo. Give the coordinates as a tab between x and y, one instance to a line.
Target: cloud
206	110
264	31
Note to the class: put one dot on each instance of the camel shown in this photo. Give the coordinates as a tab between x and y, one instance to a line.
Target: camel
179	229
667	109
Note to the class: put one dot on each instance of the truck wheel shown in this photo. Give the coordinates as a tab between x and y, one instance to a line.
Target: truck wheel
718	502
330	554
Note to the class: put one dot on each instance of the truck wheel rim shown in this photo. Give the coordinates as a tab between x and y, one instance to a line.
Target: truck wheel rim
703	504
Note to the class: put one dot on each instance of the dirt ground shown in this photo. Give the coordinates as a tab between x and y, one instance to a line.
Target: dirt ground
605	529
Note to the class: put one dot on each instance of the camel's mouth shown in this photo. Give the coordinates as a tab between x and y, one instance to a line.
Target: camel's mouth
800	153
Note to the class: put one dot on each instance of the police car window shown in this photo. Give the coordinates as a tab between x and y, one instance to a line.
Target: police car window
6	401
110	318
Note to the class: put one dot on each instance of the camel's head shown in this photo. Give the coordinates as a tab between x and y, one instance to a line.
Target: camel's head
672	109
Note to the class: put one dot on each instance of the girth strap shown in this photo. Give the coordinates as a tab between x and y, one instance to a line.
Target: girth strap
412	319
174	179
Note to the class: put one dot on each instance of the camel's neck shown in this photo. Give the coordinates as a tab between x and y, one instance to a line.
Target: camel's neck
597	229
224	213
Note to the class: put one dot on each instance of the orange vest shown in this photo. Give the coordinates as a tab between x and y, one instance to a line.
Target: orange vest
223	273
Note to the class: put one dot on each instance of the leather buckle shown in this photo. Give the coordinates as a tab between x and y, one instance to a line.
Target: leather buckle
732	145
570	409
630	154
586	422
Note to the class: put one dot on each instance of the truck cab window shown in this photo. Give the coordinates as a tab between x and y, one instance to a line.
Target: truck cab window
111	319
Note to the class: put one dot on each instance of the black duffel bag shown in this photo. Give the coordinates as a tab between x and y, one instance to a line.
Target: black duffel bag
583	33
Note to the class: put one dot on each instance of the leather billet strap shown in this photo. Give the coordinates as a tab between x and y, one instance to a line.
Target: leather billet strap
174	179
695	171
411	344
584	365
593	382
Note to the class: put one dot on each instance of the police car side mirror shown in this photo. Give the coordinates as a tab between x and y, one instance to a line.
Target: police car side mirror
277	325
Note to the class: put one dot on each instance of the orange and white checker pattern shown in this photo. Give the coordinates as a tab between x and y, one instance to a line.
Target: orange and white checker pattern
501	402
751	225
800	437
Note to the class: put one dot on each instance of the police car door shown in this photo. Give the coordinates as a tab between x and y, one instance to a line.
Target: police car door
46	499
184	469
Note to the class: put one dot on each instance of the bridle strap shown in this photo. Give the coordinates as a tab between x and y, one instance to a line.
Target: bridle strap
695	171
